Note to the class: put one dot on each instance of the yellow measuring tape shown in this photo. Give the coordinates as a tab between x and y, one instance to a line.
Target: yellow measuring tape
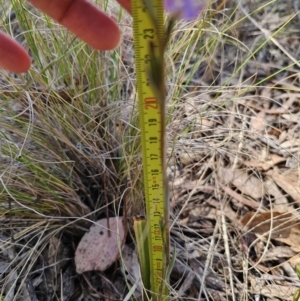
150	110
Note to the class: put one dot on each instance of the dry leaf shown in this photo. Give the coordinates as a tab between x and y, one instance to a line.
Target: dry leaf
287	182
55	250
249	185
288	270
240	198
291	117
99	247
284	227
203	210
281	203
266	164
293	240
279	223
290	143
294	261
258	122
278	252
284	292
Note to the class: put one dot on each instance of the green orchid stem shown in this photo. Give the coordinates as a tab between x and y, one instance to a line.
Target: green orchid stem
141	234
152	235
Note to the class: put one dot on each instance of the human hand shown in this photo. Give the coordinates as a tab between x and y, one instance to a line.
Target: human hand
81	17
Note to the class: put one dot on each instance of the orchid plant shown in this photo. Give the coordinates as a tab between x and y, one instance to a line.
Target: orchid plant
187	10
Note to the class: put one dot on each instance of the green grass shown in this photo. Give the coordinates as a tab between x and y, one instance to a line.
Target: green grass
63	159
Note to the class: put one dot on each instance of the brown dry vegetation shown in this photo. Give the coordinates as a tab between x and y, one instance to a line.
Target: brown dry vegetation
236	187
233	132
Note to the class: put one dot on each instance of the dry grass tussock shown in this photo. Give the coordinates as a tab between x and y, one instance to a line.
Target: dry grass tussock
70	155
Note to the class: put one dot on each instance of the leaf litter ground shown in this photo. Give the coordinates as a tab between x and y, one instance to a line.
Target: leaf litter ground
233	131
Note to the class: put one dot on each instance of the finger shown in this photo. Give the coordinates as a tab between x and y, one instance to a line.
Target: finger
84	19
12	56
125	4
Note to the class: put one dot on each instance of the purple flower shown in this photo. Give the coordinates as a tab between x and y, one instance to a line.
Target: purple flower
184	9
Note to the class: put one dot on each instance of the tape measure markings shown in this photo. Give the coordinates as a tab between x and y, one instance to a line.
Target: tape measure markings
145	32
